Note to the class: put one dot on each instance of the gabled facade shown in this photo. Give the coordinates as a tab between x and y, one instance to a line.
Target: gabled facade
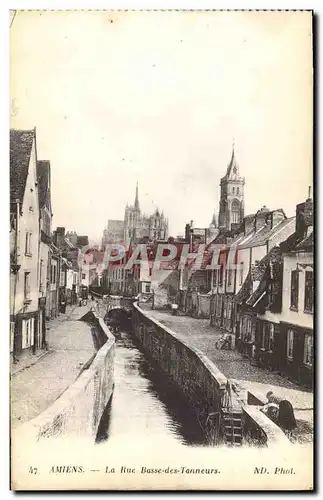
296	339
275	305
45	227
242	250
24	242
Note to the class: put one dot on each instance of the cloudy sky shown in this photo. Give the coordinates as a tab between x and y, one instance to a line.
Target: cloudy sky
158	97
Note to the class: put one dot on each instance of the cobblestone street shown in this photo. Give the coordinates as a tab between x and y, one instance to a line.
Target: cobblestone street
200	335
36	382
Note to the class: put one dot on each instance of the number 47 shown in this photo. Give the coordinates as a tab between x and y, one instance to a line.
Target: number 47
33	470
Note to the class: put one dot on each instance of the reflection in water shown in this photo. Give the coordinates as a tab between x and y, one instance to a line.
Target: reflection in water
144	404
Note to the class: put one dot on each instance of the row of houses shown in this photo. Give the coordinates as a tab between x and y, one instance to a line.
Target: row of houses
262	291
46	268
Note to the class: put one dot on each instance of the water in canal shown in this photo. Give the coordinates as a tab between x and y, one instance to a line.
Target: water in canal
144	406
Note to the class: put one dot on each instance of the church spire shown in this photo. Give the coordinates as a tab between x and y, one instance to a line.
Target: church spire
233	165
137	198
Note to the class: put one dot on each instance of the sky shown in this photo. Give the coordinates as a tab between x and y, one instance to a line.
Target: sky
158	98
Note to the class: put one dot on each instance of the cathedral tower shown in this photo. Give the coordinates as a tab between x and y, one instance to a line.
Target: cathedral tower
232	195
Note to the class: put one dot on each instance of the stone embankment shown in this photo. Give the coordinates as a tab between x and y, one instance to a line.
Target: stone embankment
200	380
78	410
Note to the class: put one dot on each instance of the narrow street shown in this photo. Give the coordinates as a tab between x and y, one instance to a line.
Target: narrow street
200	335
37	383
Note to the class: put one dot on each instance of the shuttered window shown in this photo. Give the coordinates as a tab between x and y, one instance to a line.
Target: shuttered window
308	350
294	290
308	299
290	344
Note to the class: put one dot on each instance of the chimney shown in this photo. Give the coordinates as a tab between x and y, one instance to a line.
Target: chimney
261	217
277	217
249	223
60	235
300	221
308	212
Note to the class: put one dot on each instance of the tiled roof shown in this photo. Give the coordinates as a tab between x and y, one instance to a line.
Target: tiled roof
21	142
43	178
257	273
306	244
266	232
244	292
295	243
272	258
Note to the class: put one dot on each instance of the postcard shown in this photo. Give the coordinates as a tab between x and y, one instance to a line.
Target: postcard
161	250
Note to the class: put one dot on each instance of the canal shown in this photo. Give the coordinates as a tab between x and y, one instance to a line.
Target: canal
145	406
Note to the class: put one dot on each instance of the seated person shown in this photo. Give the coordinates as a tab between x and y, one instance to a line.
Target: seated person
281	412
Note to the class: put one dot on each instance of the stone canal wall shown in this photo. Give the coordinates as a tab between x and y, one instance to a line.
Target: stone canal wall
201	382
79	409
192	372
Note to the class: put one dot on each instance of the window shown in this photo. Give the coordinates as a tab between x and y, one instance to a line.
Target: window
233	190
53	268
308	300
219	306
290	344
147	288
270	345
12	334
294	290
308	350
41	265
83	276
241	273
229	309
28	243
62	278
221	274
27	286
263	336
237	190
74	279
27	332
235	208
267	339
229	277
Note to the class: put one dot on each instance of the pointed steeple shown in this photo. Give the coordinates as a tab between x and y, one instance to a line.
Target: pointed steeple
213	222
233	164
137	198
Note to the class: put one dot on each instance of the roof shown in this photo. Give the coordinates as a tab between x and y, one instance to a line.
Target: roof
115	225
21	142
273	257
266	232
82	241
306	244
257	273
43	179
